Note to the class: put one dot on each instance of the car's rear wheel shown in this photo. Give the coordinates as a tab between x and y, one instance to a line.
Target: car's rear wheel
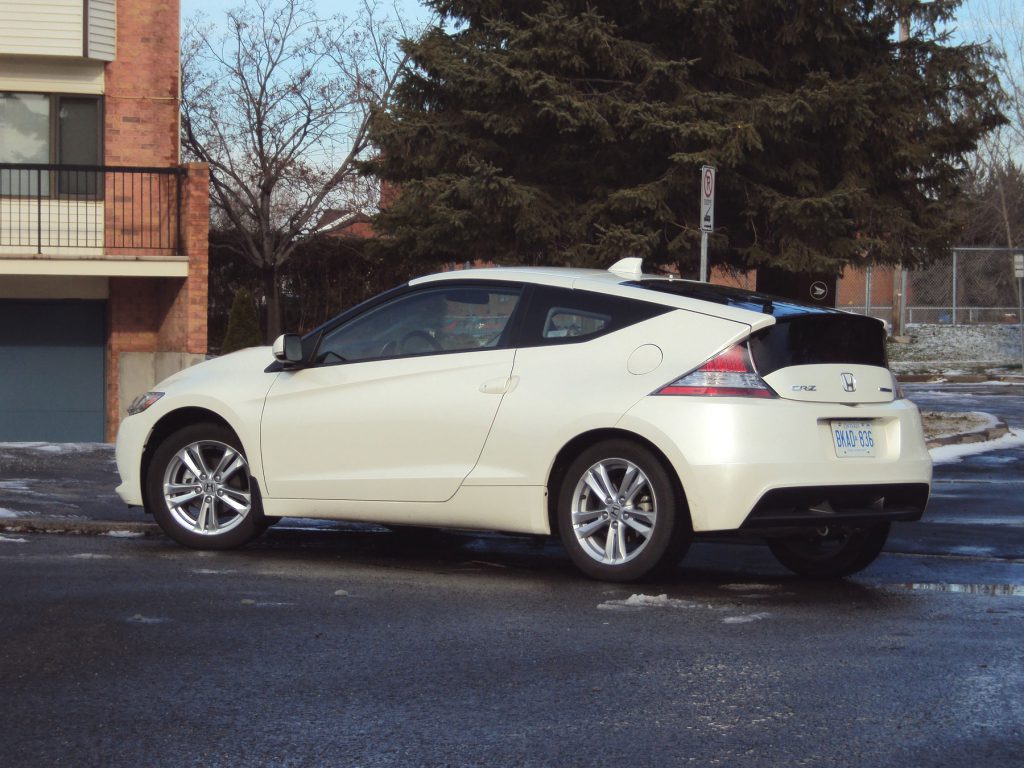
830	551
620	516
200	491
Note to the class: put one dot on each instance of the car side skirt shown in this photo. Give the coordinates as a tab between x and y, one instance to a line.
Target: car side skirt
512	509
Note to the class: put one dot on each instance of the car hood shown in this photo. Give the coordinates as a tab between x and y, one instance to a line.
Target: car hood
244	362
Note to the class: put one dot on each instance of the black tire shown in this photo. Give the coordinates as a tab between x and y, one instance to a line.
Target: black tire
829	553
606	539
213	511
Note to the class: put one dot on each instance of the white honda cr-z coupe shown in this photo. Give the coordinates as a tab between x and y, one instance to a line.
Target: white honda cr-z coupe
625	412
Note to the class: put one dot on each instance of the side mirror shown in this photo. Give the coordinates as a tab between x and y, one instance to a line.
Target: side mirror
288	348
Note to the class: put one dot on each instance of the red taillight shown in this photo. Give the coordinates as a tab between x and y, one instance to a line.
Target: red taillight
730	374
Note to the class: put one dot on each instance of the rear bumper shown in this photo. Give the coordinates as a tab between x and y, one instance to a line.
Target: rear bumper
746	463
816	506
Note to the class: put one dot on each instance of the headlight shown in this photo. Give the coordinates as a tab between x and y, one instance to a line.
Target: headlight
142	402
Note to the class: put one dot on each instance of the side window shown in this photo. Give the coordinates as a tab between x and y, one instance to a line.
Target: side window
429	321
566	316
563	322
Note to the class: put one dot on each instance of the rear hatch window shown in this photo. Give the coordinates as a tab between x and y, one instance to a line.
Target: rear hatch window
820	338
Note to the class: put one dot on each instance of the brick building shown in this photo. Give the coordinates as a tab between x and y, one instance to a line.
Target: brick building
103	232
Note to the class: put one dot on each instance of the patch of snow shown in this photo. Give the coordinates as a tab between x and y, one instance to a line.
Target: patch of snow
208	572
745	619
91	556
340	593
122	534
978	551
952	454
59	447
9	513
16	485
138	618
639	602
12	540
951	348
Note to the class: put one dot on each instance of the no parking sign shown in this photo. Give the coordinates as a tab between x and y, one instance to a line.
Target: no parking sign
707	198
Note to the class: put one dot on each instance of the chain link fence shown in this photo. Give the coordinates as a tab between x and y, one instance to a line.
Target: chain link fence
971	285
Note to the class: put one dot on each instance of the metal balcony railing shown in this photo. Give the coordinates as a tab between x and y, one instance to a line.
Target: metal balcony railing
109	210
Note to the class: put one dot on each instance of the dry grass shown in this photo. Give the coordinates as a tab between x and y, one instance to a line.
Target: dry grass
941	424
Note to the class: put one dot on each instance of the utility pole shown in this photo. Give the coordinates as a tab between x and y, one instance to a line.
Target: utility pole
899	274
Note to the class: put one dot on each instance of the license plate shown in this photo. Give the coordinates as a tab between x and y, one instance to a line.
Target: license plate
853	438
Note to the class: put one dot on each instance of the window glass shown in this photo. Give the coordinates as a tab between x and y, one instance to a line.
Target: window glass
450	319
567	316
28	121
78	131
24	138
564	323
25	128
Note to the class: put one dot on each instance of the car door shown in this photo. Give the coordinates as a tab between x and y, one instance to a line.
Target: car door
398	401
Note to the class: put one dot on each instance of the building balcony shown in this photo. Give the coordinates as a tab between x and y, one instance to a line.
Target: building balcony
101	220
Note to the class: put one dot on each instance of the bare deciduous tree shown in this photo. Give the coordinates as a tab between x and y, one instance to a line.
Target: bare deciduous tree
1001	153
277	100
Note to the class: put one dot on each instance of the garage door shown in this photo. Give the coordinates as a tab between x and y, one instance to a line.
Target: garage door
51	370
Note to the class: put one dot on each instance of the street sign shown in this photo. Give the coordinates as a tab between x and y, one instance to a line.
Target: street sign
707	198
1018	265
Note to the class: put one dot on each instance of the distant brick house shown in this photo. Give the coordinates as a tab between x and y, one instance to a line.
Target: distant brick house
103	232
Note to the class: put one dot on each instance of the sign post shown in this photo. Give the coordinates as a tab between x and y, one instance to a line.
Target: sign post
707	215
1018	272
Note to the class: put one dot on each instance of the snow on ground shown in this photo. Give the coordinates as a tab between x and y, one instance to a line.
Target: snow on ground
952	454
9	513
639	602
58	447
954	349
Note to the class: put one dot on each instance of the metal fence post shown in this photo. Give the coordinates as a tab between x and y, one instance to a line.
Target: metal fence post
954	287
903	301
867	292
39	211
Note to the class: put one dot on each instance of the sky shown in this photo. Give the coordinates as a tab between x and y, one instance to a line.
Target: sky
216	8
970	20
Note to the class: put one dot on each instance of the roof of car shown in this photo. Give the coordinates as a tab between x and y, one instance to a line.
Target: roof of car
627	280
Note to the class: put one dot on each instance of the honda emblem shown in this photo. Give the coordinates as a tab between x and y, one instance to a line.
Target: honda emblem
849	383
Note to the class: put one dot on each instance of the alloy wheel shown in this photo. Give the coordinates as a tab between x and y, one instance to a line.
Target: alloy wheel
614	511
206	488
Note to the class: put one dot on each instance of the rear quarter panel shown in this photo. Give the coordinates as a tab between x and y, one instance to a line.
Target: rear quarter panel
562	391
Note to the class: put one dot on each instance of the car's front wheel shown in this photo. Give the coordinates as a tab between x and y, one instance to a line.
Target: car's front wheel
619	515
199	489
830	551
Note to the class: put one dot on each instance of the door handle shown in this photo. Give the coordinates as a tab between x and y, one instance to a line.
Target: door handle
499	386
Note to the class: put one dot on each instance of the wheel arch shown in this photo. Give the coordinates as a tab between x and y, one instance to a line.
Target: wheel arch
168	424
571	449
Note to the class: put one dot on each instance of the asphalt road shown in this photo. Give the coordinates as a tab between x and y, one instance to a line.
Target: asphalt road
373	649
356	646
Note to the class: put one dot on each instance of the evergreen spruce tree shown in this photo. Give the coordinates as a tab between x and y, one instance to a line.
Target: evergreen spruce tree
243	329
565	131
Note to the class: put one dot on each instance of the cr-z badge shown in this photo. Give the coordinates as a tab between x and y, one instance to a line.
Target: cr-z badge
804	388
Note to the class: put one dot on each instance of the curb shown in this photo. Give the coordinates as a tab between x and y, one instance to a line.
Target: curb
964	378
977	436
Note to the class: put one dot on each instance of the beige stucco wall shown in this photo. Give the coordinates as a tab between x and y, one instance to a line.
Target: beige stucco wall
138	372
